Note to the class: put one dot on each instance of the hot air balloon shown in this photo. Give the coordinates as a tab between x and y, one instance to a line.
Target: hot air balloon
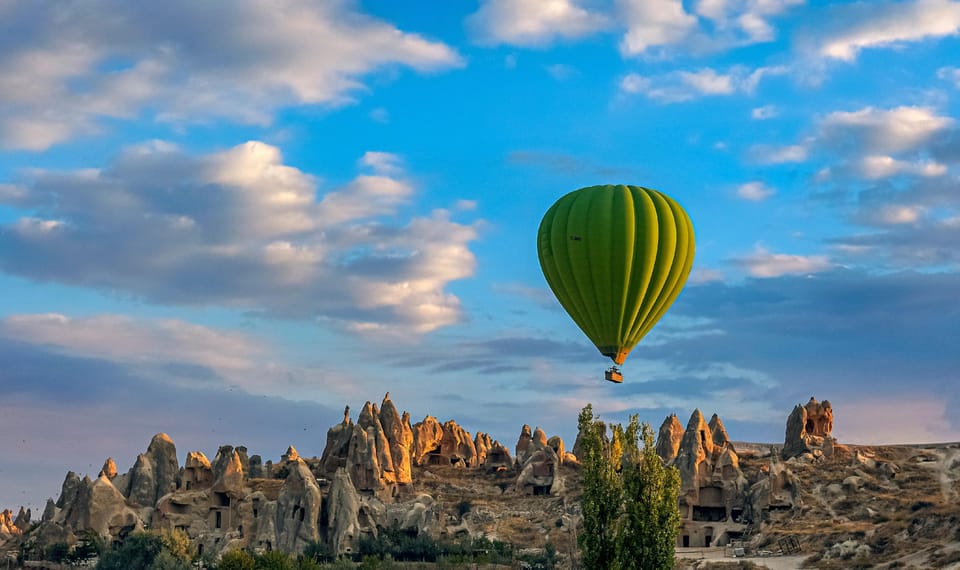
616	257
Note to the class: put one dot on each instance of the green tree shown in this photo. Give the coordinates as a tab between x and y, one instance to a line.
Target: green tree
236	560
602	493
651	490
148	551
630	512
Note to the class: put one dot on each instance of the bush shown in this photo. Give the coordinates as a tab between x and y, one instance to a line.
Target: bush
57	552
148	551
236	560
274	560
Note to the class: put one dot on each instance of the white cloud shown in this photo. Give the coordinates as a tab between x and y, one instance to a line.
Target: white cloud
763	113
755	191
889	25
883	131
123	339
701	275
680	86
654	23
712	25
708	82
763	263
59	71
902	214
766	154
874	167
239	228
532	22
385	163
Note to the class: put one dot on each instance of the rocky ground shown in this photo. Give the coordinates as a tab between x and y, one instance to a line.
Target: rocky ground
876	507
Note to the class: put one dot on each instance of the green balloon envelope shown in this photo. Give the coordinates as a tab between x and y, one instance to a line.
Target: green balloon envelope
616	257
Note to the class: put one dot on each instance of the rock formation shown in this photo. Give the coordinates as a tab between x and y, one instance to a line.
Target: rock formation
427	436
400	436
298	509
343	510
809	430
155	472
539	462
456	447
712	486
197	472
7	526
669	437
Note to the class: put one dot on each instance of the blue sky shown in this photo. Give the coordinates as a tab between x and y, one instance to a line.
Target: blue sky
228	224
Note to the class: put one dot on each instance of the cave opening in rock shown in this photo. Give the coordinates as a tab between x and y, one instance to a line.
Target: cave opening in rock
709	514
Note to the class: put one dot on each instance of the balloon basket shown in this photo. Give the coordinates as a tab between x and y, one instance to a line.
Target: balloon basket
613	375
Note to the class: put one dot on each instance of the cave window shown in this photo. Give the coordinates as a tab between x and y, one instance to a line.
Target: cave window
301	514
809	426
711	514
703	438
223	499
240	530
686	541
199	550
219	521
255	513
541	489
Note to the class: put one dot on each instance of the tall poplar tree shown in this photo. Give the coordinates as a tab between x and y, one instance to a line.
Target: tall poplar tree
631	517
